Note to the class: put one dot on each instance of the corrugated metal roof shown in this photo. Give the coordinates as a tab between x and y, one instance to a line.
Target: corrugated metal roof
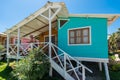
36	24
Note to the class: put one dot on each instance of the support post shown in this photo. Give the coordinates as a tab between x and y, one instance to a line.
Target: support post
77	66
8	37
83	73
49	18
32	44
18	44
100	66
50	43
106	71
65	66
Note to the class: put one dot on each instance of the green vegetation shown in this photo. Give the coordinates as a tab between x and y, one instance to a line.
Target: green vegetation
115	75
33	67
114	66
112	57
5	71
1	48
113	41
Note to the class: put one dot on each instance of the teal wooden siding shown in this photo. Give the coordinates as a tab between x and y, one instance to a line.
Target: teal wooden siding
98	47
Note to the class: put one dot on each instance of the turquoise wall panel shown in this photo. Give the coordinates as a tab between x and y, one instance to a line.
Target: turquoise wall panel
98	47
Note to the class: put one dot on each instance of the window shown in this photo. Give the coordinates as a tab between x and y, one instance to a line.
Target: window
79	36
62	22
47	39
16	41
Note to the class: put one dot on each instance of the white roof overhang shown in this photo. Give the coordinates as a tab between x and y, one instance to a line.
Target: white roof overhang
2	34
35	23
110	17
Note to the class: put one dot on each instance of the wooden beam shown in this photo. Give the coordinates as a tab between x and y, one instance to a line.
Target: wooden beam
29	27
41	21
54	12
38	29
17	31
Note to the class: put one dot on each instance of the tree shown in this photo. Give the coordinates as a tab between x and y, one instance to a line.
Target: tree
114	41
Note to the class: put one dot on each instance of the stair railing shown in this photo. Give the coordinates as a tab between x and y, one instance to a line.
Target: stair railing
67	60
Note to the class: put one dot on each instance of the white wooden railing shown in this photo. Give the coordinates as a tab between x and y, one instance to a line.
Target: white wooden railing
60	57
65	61
24	48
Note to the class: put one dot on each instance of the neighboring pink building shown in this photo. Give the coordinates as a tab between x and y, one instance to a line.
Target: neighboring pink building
23	40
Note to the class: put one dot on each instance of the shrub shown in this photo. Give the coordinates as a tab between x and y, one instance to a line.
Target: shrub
116	67
112	57
1	48
33	67
114	75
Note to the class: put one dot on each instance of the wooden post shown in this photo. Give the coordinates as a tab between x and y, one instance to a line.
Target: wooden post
65	66
49	18
18	44
100	66
83	73
106	71
50	43
8	37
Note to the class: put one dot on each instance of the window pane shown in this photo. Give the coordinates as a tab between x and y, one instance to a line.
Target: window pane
85	39
78	33
78	40
72	33
72	40
85	32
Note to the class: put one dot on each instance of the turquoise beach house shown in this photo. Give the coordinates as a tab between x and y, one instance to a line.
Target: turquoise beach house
65	38
84	37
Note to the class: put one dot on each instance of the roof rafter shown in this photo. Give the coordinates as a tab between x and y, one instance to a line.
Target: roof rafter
39	28
54	12
40	21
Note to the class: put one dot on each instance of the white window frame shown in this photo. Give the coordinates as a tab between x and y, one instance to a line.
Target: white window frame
90	36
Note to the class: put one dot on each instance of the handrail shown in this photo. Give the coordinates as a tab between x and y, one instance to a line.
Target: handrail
73	59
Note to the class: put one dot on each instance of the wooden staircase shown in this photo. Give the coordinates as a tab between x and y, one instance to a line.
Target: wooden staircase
62	63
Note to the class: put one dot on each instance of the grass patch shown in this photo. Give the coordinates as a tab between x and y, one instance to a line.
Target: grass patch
4	71
115	75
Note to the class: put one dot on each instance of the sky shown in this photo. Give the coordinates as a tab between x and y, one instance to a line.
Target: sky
14	11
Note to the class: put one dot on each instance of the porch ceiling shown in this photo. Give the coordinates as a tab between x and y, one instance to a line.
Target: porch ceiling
36	24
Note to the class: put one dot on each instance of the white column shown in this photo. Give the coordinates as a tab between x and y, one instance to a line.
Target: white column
8	37
100	66
65	66
106	71
50	73
83	73
18	44
77	66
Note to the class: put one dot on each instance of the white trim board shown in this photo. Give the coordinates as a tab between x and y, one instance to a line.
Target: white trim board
92	59
80	44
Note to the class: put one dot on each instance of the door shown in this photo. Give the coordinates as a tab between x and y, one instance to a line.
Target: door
47	39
